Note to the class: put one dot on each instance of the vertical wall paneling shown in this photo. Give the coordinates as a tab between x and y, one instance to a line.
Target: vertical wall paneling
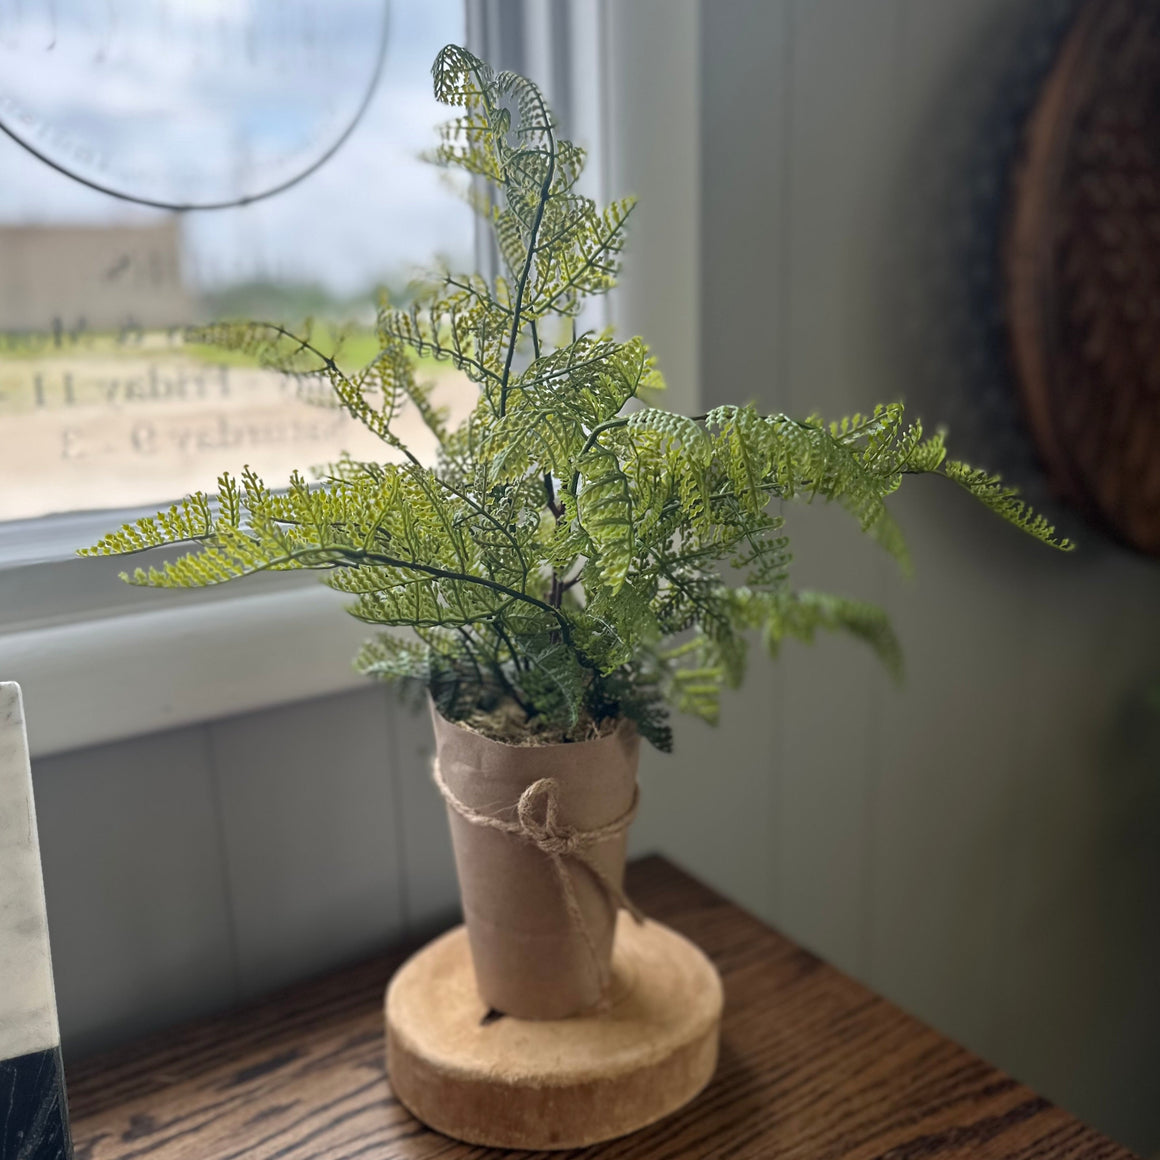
135	887
1061	990
1077	1000
979	843
310	835
944	796
431	891
840	99
1016	779
949	735
946	800
653	95
708	804
716	800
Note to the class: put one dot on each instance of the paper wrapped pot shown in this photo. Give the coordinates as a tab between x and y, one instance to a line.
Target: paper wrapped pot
531	958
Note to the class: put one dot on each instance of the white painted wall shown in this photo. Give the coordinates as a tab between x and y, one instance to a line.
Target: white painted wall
980	845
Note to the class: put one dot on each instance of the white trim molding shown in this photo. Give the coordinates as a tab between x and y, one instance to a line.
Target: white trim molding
103	679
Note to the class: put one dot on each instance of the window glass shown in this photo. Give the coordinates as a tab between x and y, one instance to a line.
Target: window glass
101	404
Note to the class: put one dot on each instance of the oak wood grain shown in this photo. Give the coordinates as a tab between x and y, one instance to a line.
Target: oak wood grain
812	1064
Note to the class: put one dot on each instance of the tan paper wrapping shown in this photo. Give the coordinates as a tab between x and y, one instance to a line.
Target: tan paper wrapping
531	961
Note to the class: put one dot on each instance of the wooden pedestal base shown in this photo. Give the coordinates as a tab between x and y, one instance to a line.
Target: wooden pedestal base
514	1083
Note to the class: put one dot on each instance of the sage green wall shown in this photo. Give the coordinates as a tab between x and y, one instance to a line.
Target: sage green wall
981	845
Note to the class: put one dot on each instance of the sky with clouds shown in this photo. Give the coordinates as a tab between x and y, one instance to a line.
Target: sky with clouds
189	99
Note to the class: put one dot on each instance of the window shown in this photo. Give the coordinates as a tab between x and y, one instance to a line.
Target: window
102	406
125	417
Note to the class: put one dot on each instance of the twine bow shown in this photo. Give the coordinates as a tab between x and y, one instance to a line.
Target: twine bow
558	842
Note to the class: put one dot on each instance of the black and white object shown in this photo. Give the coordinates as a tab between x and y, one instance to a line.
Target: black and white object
33	1108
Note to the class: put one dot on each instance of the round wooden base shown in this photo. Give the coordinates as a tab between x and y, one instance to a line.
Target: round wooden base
514	1083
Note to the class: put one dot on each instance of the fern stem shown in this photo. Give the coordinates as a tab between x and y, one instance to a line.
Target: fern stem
521	287
467	648
557	509
490	301
447	574
590	263
613	423
496	667
501	632
501	675
556	592
590	442
481	510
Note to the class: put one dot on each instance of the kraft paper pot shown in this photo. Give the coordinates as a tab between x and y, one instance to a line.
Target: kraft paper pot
531	957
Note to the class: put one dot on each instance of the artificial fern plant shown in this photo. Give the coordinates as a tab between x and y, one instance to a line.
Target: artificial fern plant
572	556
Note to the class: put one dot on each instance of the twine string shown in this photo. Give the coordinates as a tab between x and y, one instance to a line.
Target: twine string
558	842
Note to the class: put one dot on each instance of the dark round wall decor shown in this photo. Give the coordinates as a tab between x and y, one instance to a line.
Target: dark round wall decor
1083	269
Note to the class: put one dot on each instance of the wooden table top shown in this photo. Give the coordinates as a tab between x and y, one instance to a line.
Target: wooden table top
812	1064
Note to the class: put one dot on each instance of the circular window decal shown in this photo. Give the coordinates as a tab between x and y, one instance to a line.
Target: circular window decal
188	104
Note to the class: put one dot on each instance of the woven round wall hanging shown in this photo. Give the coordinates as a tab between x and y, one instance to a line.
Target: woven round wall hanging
1083	269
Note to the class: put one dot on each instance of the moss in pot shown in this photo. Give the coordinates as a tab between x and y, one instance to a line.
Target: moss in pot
575	564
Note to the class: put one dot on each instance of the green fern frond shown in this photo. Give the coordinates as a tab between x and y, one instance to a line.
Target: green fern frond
695	683
392	658
565	561
1004	501
191	519
582	257
605	513
802	614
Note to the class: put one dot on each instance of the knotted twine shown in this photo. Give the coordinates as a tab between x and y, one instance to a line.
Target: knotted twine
558	842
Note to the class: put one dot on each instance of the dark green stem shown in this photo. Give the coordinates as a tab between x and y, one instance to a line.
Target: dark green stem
521	288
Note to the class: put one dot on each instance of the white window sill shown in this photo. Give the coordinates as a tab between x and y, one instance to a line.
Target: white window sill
104	679
99	661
